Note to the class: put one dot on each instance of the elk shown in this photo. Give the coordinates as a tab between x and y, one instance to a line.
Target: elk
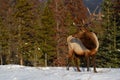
83	43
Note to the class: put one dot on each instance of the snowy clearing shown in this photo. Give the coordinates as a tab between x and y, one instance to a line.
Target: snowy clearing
17	72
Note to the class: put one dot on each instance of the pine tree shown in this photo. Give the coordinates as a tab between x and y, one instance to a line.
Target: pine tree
6	17
116	23
108	54
65	13
59	11
26	16
48	42
77	10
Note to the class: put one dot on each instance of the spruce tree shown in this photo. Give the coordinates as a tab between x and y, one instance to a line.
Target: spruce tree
108	52
26	17
48	42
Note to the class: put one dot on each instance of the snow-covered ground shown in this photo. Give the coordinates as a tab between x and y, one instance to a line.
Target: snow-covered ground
17	72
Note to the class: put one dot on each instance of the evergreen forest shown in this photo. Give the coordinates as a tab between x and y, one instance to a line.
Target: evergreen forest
34	32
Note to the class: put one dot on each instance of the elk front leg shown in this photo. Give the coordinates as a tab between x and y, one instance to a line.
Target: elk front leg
76	59
69	57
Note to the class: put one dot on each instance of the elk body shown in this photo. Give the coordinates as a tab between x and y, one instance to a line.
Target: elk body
83	43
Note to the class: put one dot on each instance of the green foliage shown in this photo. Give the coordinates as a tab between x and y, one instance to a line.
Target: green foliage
48	42
109	49
3	42
71	28
29	33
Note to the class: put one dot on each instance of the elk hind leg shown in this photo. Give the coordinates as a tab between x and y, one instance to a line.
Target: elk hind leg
88	62
94	63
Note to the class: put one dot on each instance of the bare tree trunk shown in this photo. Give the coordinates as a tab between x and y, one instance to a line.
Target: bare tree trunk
1	47
21	59
20	45
115	33
57	33
35	54
9	51
10	38
1	59
45	59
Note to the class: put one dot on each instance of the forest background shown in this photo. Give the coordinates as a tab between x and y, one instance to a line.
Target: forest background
34	32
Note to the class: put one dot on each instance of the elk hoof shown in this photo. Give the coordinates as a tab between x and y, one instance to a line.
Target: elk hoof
79	71
95	71
67	68
88	70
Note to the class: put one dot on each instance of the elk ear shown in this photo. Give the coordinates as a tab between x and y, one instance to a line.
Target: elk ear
75	36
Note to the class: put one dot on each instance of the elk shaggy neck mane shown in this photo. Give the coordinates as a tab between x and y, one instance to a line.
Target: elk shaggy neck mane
88	39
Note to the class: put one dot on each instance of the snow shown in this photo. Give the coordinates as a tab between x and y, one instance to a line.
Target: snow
17	72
